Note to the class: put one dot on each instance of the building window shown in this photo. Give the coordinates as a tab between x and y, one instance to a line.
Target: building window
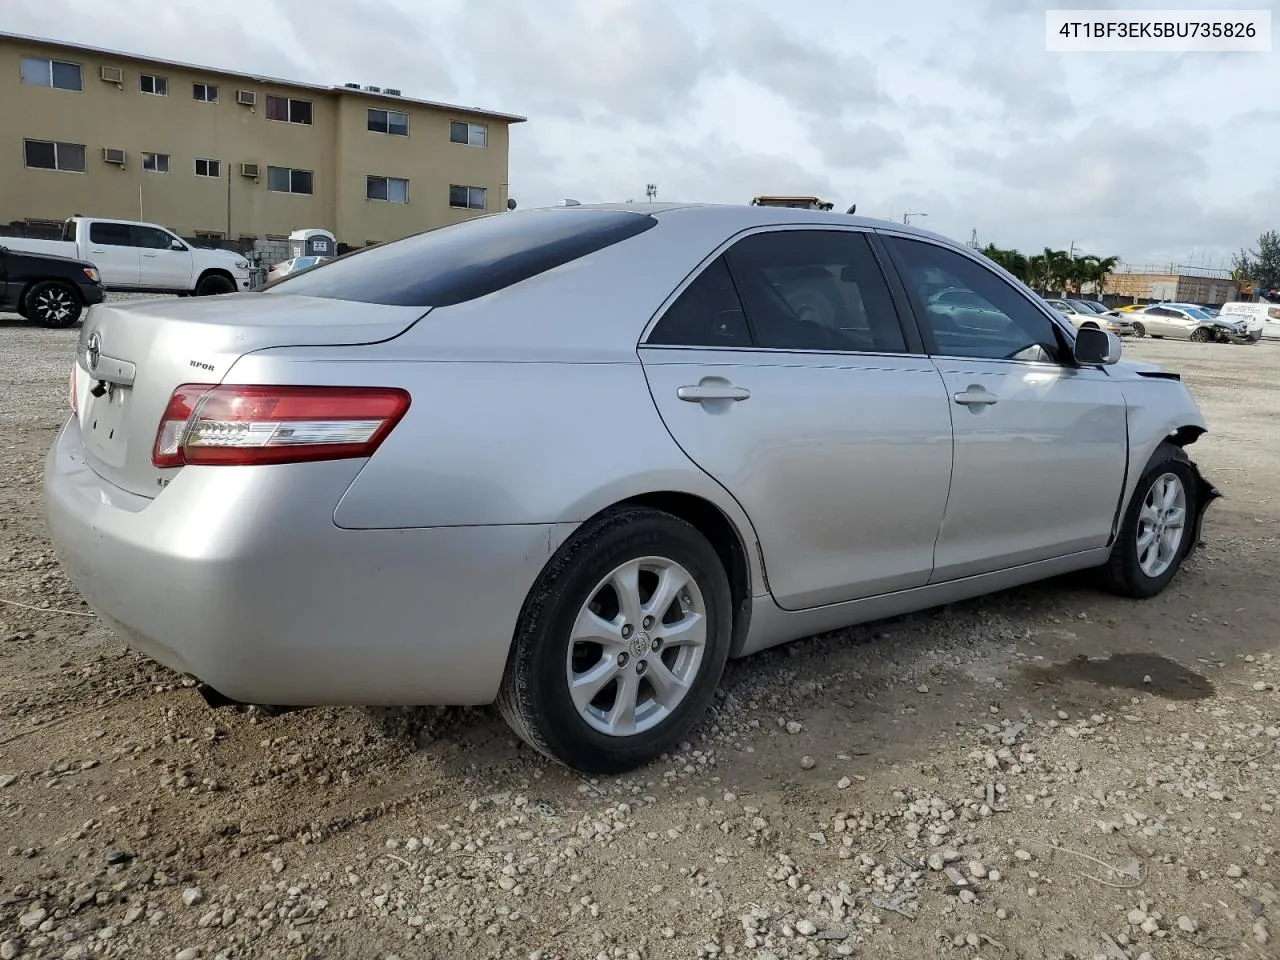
469	198
52	73
158	86
389	121
47	155
208	168
285	180
389	189
286	110
474	134
155	162
205	92
210	234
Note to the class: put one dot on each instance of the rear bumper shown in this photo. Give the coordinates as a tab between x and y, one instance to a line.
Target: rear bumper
239	577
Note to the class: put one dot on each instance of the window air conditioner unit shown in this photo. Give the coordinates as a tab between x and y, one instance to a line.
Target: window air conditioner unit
111	74
249	170
246	98
392	91
113	155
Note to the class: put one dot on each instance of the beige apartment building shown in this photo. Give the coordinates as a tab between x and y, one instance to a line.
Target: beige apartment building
221	155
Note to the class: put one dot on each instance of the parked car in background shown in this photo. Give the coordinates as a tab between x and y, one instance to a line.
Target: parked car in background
293	265
1185	321
382	481
1263	316
144	257
1081	316
51	291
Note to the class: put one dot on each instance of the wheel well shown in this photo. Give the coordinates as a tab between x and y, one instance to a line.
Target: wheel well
1088	325
1186	435
719	530
39	280
215	272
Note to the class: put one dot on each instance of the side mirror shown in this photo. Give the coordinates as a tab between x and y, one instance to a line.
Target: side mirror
1094	347
177	245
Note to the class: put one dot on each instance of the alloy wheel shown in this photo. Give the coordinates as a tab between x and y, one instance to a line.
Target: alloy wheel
637	646
1162	524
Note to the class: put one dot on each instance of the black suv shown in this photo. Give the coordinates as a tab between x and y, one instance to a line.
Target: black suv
52	291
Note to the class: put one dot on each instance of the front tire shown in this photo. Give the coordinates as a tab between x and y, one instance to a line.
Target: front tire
621	643
213	285
1158	529
1201	335
53	304
1139	330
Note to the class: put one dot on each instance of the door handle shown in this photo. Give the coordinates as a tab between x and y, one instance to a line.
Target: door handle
976	397
152	255
712	391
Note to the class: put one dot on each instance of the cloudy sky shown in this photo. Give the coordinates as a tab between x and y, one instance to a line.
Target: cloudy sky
947	107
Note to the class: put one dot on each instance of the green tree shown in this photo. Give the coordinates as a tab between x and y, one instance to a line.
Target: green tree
1262	266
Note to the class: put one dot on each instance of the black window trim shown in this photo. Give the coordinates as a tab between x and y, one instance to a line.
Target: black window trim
1061	325
915	346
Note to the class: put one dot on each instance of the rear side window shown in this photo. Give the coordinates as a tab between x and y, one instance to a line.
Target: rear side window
707	314
111	234
467	260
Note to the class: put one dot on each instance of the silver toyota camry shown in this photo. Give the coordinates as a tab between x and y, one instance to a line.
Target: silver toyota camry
571	460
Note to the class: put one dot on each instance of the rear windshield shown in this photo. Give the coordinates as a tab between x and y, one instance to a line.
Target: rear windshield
466	260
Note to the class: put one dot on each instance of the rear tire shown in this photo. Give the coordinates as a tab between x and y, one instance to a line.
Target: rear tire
214	284
639	686
55	304
1158	528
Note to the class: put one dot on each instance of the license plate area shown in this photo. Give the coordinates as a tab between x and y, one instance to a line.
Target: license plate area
103	426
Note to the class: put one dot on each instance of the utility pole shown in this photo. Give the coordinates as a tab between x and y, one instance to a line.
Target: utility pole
906	217
1071	254
651	191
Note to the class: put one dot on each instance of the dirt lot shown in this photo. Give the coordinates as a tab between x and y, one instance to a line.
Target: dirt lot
1048	773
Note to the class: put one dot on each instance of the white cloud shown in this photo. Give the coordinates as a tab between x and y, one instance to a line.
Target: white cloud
953	109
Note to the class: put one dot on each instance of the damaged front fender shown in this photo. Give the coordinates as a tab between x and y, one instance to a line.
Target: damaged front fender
1206	493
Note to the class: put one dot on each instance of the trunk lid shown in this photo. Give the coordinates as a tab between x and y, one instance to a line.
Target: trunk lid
143	350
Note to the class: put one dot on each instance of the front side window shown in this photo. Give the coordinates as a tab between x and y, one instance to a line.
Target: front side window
287	180
152	239
995	323
468	198
394	122
390	189
62	74
473	134
288	110
815	290
205	92
52	155
707	314
155	162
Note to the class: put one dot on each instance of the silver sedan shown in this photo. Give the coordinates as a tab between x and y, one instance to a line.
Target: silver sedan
572	460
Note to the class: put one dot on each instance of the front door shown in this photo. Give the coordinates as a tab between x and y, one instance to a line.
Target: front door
112	251
782	371
162	266
1040	444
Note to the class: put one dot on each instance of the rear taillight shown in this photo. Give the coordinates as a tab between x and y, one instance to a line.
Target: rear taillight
241	425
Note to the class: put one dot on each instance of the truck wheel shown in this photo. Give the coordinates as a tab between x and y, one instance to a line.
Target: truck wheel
53	303
214	284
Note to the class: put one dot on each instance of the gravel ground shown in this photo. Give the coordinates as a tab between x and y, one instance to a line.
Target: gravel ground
1047	773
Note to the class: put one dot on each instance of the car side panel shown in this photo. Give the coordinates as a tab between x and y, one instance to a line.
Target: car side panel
562	440
1156	409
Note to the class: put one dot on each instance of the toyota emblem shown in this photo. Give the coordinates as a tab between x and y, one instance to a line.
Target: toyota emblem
93	350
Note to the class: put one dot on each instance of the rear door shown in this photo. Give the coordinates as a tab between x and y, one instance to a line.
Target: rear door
161	266
113	251
783	371
1041	445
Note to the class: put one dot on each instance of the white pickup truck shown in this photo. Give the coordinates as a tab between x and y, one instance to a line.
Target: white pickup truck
144	257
